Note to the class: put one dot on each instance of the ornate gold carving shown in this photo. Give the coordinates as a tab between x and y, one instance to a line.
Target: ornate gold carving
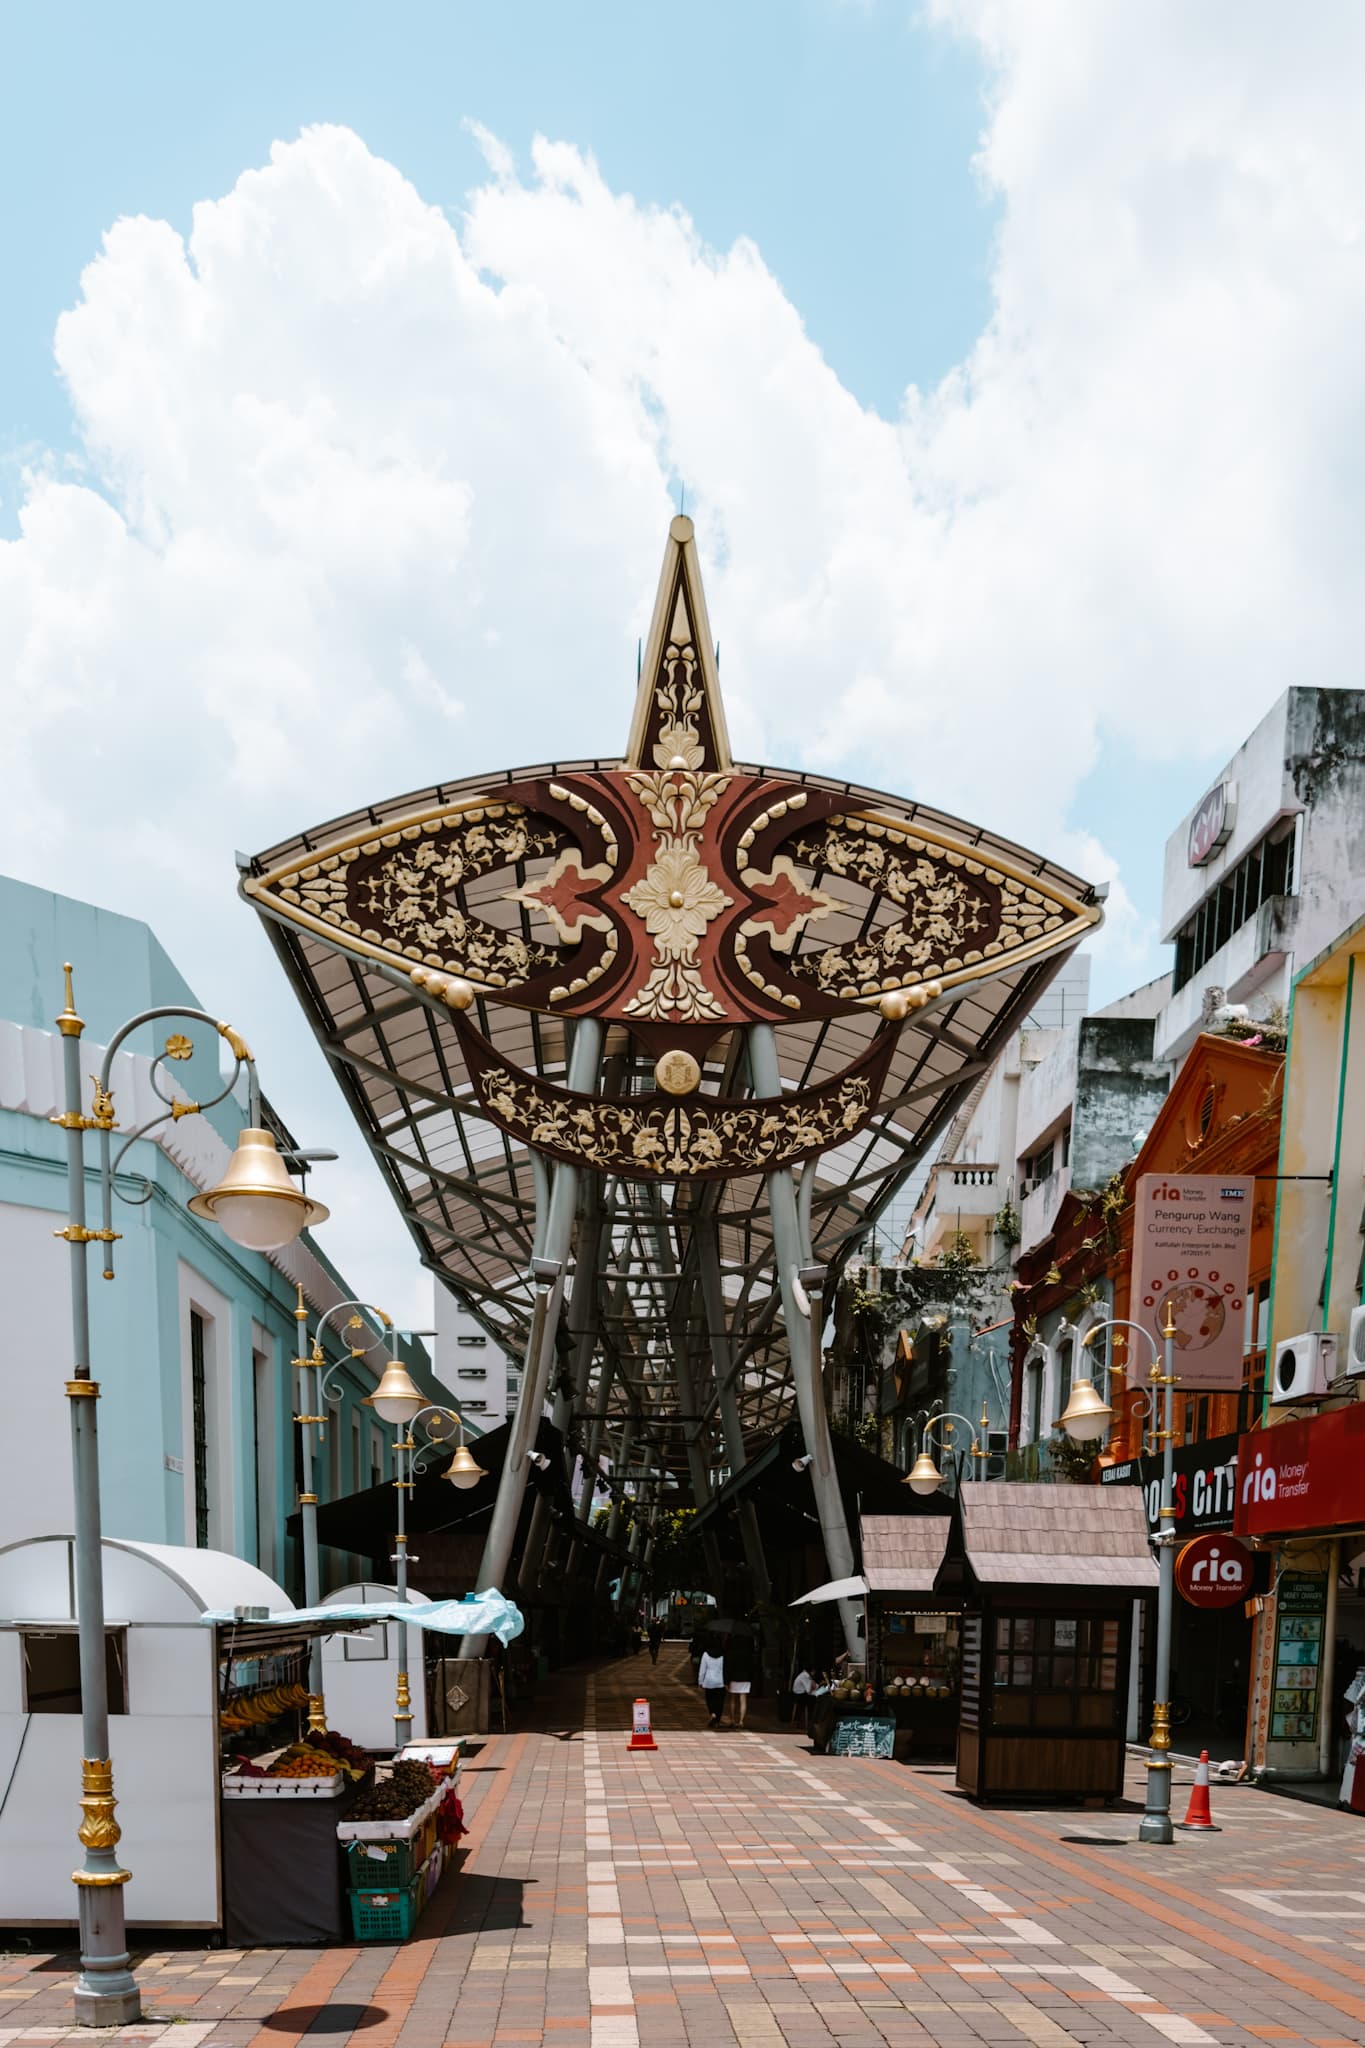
101	1106
558	896
676	897
178	1047
403	1702
650	1139
98	1830
677	1073
317	1714
958	912
399	890
83	1390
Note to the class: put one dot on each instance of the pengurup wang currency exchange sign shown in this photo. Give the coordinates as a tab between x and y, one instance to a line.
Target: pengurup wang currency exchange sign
1191	1245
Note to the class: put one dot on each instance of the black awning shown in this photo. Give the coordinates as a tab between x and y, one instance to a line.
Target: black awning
365	1523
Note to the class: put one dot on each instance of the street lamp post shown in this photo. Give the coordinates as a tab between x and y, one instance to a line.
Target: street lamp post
398	1400
924	1476
259	1207
314	1391
1088	1413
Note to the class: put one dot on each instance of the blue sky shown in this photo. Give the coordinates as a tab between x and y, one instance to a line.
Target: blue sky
838	137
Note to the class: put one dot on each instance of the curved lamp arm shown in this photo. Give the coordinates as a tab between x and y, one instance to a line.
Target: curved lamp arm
177	1047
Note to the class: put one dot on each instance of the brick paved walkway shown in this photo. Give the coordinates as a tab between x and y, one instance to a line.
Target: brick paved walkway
732	1888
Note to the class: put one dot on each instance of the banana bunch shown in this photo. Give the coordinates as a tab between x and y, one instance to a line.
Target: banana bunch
255	1710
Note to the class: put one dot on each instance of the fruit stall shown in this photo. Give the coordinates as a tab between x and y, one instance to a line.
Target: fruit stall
908	1682
235	1813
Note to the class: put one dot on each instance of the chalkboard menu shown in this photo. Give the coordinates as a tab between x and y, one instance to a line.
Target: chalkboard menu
869	1735
1300	1605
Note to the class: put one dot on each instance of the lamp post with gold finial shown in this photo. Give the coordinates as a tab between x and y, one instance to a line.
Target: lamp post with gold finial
399	1401
259	1207
1088	1414
315	1395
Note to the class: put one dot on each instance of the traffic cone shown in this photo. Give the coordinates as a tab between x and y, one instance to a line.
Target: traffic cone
1198	1815
641	1733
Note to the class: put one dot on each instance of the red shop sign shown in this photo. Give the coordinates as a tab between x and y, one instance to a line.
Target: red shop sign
1302	1475
1214	1571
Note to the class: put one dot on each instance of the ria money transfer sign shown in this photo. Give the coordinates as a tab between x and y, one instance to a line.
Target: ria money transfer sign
1191	1244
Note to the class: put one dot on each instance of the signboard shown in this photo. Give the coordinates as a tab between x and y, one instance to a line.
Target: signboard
1191	1245
1300	1605
1211	825
867	1736
1214	1571
1303	1475
1204	1492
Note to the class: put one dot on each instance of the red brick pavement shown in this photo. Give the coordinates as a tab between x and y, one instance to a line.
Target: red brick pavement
732	1888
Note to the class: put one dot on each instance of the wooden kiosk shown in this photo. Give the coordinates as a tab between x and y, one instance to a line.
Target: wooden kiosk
1048	1576
914	1635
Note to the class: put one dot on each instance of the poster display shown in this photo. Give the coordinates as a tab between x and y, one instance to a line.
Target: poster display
1191	1246
1301	1606
865	1737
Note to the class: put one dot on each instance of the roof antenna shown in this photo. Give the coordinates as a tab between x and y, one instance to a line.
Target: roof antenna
682	497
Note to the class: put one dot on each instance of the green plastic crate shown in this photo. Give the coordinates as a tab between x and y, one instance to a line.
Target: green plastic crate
397	1866
386	1916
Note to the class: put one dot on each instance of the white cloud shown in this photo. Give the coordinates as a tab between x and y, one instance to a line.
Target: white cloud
365	498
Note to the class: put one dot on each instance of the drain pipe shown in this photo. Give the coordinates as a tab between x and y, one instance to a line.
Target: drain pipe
1327	1673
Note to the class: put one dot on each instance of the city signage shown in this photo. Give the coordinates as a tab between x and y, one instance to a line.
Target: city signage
1211	825
1204	1491
1303	1475
1191	1247
1214	1571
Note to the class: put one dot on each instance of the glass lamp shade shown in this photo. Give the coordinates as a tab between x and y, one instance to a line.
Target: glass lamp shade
462	1470
1087	1414
924	1476
256	1203
396	1399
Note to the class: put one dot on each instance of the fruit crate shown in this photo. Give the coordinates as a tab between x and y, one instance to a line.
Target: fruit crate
383	1866
386	1916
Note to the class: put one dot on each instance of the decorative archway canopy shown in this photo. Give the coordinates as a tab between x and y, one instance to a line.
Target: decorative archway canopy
447	944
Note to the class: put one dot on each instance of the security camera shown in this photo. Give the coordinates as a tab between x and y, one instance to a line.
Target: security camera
800	1464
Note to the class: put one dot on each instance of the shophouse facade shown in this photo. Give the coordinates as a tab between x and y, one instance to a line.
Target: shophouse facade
1301	1466
192	1341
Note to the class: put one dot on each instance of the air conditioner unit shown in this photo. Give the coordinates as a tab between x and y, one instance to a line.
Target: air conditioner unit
1303	1367
1355	1344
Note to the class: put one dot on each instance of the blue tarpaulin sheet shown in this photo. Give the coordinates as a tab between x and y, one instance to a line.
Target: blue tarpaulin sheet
478	1614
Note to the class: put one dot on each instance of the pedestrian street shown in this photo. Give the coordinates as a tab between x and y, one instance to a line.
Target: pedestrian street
732	1887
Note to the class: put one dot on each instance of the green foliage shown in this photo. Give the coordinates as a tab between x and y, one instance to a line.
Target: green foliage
1073	1460
1007	1225
865	1430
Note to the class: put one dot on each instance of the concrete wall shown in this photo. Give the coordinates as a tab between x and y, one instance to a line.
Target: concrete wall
1305	760
1120	1086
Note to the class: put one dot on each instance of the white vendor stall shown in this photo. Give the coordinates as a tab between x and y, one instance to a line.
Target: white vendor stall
360	1670
163	1725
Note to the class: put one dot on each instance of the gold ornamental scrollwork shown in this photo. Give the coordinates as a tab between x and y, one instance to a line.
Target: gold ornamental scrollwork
654	1138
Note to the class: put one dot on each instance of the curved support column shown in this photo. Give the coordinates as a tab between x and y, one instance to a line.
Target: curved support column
804	1335
555	1241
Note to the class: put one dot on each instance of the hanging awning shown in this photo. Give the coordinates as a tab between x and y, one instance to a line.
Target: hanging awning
477	1614
837	1589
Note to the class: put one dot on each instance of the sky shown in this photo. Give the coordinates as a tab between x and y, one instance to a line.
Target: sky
1007	354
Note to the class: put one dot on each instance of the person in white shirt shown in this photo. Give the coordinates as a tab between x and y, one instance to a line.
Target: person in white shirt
711	1679
803	1685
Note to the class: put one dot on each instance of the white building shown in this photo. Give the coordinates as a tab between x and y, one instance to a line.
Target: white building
484	1381
1269	867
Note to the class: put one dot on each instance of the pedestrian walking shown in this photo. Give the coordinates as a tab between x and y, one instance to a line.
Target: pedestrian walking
711	1679
739	1672
656	1637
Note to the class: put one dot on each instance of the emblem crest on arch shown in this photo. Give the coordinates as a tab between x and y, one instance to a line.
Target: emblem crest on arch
677	894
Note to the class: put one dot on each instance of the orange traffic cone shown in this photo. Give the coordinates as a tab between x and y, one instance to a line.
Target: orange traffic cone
1199	1815
641	1733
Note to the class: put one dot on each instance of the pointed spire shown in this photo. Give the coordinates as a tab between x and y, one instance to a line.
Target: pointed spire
679	717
